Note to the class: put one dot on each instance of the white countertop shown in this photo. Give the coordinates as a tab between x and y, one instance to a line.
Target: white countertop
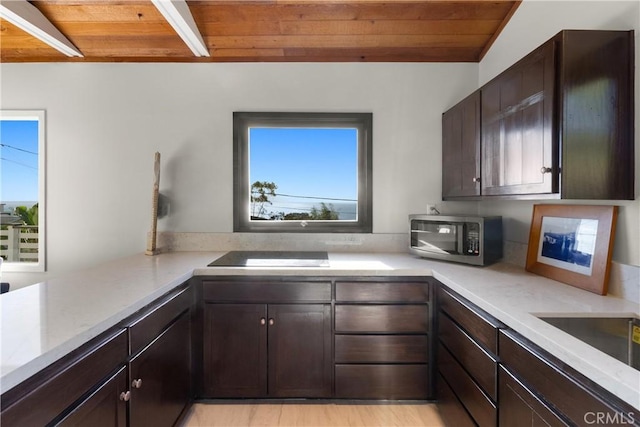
43	322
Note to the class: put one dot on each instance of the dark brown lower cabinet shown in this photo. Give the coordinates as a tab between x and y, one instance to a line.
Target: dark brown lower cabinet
382	339
467	362
136	374
104	407
480	406
520	407
451	409
535	386
299	343
84	377
160	377
267	350
235	350
394	382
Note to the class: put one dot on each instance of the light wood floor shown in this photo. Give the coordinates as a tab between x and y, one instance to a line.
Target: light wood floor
310	415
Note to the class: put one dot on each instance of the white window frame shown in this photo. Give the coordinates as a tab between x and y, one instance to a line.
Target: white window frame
38	115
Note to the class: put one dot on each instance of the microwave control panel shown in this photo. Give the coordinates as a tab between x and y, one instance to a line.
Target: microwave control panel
472	242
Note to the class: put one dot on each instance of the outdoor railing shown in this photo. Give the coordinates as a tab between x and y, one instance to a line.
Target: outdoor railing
19	243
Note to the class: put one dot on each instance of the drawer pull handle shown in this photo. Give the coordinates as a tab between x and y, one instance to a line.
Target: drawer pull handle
271	322
125	396
263	321
136	383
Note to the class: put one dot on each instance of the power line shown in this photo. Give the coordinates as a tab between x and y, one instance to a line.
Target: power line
16	148
18	163
306	209
310	197
316	198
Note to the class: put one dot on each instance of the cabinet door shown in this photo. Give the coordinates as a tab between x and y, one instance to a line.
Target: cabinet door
235	350
520	407
461	149
597	100
160	377
519	152
570	394
300	350
104	407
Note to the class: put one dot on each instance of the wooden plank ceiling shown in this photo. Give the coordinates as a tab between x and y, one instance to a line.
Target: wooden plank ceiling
269	31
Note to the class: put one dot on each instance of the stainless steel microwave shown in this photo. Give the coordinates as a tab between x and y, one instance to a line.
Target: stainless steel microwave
467	239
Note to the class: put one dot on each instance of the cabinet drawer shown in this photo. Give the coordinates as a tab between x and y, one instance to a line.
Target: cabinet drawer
382	381
381	348
480	364
481	408
450	408
382	318
57	387
480	326
382	292
266	291
146	328
567	390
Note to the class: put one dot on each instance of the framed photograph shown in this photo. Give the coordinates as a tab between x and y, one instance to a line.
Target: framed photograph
573	244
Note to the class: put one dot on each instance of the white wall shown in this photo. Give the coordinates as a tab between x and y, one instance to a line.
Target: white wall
105	121
534	23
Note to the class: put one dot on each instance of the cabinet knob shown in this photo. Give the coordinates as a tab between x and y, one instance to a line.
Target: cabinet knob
476	179
544	170
125	396
263	321
271	322
136	383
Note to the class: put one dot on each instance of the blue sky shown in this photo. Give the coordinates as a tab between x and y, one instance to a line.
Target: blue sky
316	162
19	164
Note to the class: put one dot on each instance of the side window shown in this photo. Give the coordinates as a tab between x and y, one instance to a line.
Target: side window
302	172
22	201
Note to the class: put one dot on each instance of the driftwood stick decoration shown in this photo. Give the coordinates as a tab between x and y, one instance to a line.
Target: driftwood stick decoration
151	237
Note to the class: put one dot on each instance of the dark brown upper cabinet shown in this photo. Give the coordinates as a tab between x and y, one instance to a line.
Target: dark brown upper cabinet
461	148
596	110
557	124
518	152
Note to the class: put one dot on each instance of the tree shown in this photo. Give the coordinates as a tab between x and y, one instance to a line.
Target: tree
261	193
297	216
28	215
326	212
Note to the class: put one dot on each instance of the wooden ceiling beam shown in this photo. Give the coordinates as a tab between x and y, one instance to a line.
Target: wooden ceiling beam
178	14
28	18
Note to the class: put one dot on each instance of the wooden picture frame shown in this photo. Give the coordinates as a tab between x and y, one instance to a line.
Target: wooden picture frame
573	244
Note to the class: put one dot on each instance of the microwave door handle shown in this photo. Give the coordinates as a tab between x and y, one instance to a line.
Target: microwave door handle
460	238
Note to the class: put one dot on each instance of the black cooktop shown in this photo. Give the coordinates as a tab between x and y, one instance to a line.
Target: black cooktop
272	259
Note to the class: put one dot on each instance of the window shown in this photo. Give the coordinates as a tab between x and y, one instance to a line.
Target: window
22	201
302	172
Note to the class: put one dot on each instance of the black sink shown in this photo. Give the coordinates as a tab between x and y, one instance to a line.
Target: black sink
272	259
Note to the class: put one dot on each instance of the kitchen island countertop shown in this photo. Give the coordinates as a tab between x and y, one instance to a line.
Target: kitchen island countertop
43	322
